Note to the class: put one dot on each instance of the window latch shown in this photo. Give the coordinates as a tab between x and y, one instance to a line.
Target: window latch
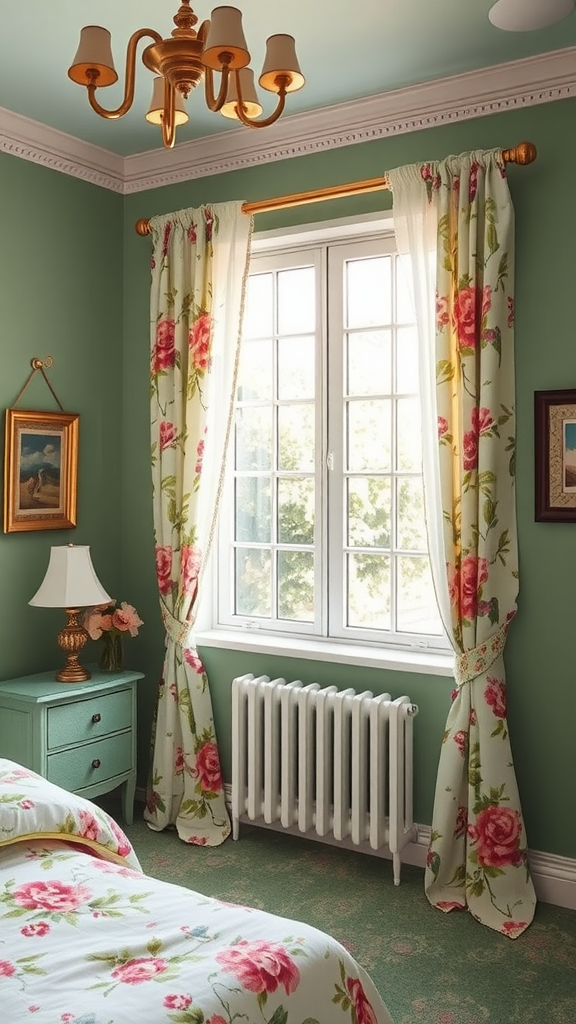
330	461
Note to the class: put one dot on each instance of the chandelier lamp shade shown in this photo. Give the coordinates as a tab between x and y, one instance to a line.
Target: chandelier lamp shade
71	583
185	58
529	15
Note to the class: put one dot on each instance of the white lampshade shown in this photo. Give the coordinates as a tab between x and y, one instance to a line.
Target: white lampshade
281	59
527	15
252	108
155	111
225	35
70	580
94	51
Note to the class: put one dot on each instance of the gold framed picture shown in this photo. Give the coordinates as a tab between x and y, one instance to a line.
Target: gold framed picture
40	470
555	455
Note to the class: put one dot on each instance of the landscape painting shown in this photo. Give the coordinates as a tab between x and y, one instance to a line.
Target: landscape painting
40	471
570	456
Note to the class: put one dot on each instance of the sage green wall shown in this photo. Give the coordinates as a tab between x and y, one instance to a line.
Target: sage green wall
60	295
74	284
539	659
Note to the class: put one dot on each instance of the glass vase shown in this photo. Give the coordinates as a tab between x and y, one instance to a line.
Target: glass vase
112	655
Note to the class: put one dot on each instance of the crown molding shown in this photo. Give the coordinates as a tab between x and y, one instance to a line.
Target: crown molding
30	140
504	87
523	83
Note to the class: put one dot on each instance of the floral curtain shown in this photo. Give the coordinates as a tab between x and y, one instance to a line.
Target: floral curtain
199	270
455	220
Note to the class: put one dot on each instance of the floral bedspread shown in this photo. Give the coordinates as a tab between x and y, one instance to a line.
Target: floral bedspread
86	938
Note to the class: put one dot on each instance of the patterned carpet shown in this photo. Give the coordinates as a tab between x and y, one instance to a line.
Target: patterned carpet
430	968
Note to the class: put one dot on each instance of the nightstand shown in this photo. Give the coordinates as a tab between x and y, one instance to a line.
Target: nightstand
81	736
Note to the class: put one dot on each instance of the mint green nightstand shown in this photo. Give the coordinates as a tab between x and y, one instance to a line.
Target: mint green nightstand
81	736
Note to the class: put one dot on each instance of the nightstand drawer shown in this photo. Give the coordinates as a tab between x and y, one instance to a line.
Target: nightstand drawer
91	763
88	719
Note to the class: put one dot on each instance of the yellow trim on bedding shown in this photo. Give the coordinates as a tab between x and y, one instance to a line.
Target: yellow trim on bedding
110	855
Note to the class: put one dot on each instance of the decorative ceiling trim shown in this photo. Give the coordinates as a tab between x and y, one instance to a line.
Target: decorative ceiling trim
523	83
33	141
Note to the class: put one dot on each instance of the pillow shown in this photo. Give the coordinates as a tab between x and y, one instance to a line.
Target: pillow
33	808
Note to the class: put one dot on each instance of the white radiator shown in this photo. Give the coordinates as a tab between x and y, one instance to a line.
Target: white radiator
336	762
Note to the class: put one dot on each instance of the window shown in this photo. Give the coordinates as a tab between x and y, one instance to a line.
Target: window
322	529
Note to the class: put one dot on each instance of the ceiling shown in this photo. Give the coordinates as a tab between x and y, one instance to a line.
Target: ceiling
346	51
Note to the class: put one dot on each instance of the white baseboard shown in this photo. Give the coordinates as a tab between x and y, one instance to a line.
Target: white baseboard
554	877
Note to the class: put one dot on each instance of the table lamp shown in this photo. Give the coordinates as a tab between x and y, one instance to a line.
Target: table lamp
71	583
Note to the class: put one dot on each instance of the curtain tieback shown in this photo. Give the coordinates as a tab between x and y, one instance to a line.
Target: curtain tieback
179	632
472	663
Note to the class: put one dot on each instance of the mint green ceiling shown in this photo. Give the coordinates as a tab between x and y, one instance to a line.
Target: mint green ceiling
346	51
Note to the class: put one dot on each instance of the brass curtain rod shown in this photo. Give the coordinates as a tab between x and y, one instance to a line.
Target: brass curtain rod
524	153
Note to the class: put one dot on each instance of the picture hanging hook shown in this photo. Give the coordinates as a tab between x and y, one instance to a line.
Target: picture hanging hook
39	364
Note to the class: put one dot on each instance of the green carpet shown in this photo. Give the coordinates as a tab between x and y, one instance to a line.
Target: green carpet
430	968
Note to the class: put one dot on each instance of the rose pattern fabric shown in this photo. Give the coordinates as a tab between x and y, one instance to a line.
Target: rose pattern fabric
199	269
496	836
53	896
31	805
461	207
261	966
156	953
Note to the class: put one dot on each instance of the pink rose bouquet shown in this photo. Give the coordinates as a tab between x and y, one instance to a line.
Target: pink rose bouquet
111	623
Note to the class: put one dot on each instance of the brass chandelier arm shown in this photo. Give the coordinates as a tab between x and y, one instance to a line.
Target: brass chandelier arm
282	81
130	77
169	116
215	103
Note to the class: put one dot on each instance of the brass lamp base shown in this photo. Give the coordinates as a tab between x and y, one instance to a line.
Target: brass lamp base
72	639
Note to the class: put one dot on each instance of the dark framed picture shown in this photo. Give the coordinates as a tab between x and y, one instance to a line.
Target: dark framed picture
555	455
40	470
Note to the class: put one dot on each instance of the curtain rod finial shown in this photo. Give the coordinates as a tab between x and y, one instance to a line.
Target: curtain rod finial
524	153
143	226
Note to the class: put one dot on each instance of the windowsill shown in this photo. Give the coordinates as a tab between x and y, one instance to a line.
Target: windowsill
422	661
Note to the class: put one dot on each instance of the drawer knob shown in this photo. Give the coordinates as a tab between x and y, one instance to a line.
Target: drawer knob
97	717
96	762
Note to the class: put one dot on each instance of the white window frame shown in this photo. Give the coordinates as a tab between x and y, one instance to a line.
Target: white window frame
294	640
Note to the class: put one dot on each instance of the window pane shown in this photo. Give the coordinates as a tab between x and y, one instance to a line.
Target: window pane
253	582
369	363
254	438
255	371
409	453
258	311
417	610
296	585
411	523
407	361
296	301
253	509
296	438
369	591
296	510
369	292
369	436
369	512
296	368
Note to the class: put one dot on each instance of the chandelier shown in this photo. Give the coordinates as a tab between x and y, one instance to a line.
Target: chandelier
182	60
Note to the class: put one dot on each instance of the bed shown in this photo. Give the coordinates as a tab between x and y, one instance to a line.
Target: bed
87	938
